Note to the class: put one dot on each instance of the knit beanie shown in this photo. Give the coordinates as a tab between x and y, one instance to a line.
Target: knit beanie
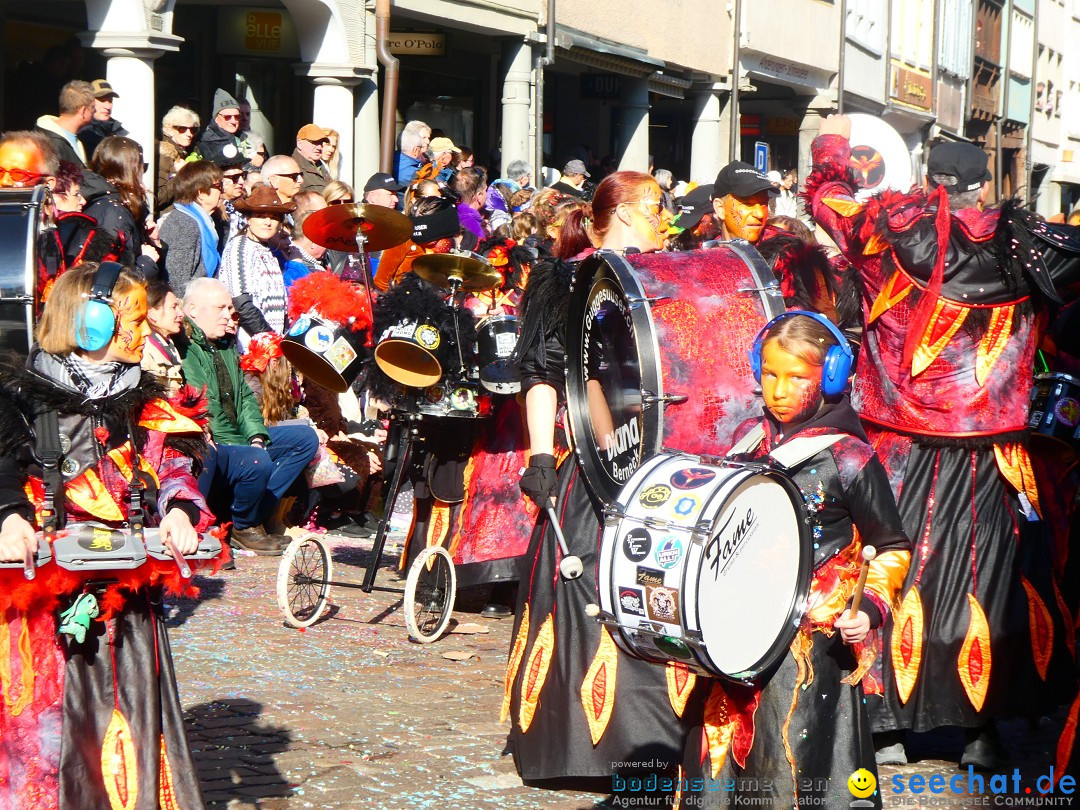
223	101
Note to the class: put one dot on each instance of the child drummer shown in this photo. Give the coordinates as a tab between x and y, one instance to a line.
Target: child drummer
797	737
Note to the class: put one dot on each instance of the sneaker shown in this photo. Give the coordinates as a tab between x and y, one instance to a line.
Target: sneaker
256	540
889	748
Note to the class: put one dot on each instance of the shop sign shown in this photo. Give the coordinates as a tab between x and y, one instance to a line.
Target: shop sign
256	32
601	86
784	71
413	43
781	125
750	124
911	88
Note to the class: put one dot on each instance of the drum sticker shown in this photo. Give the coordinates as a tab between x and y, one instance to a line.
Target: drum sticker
686	505
102	540
505	344
1067	411
637	544
655	496
631	601
669	552
319	339
301	326
428	336
692	477
649	576
340	355
663	604
726	544
1036	418
434	394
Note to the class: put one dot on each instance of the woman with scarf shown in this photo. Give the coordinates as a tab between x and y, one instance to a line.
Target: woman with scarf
179	128
188	234
91	714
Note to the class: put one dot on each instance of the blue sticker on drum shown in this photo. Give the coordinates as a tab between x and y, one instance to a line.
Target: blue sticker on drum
632	601
692	477
663	604
685	505
655	496
637	544
1067	411
319	339
669	552
301	326
649	576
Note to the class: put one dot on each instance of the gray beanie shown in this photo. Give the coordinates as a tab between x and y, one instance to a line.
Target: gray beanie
223	101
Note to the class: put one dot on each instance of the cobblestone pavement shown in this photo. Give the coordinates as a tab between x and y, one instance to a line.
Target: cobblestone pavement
350	714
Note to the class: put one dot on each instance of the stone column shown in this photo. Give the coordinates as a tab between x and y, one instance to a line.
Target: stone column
516	70
634	132
366	131
333	108
707	140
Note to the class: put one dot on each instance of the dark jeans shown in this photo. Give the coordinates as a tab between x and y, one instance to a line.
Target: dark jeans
257	477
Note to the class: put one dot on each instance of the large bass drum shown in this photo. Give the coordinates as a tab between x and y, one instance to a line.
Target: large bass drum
706	565
21	211
657	355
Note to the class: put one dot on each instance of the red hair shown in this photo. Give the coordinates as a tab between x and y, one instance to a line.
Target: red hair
613	191
574	234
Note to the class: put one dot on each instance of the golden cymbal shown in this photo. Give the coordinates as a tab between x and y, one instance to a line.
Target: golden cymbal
335	227
439	268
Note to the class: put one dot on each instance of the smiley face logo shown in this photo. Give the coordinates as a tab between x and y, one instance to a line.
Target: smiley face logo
862	783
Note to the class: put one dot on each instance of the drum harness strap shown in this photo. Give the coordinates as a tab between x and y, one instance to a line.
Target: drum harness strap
787	455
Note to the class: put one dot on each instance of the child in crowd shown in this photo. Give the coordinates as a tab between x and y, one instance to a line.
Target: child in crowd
797	736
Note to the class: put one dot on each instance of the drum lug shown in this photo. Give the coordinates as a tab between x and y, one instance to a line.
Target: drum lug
636	301
768	289
648	399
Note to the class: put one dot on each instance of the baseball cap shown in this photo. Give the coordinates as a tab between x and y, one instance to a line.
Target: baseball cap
311	132
382	180
692	206
575	167
742	180
102	89
442	145
440	224
964	161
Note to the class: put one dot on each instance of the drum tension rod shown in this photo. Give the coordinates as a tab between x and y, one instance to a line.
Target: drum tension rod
648	399
636	300
769	289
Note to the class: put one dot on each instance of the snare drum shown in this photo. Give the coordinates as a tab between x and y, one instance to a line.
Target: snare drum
496	339
1055	408
705	565
458	399
656	355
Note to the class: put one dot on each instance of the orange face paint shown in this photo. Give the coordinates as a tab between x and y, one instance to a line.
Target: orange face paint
131	326
744	217
790	386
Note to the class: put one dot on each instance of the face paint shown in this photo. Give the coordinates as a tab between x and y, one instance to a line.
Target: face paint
744	217
790	386
649	221
131	327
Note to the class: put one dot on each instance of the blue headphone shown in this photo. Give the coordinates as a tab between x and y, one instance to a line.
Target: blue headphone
95	324
838	359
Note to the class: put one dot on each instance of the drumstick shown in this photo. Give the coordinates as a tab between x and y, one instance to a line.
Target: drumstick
868	554
181	563
570	566
28	565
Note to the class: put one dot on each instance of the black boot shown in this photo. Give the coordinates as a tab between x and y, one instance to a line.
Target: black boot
983	749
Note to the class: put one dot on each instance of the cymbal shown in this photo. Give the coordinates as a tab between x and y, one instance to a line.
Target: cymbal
335	227
439	268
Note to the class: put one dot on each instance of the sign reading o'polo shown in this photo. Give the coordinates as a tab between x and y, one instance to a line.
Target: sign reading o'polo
423	43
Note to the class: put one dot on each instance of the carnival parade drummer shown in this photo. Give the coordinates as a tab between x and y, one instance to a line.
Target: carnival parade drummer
558	660
91	707
805	725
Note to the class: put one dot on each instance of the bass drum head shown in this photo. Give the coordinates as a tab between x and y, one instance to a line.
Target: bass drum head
879	157
754	577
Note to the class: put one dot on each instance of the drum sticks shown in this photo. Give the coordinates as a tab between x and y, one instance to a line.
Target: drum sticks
569	566
868	554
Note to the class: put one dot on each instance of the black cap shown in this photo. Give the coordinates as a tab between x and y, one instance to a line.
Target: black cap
695	204
382	180
442	223
964	161
742	180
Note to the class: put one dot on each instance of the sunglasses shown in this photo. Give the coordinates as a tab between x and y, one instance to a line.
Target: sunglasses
185	129
218	186
342	201
224	117
233	178
297	176
21	177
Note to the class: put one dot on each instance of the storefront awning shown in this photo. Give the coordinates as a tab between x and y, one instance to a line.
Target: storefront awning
585	49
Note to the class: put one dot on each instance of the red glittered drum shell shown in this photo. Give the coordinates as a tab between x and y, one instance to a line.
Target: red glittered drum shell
657	355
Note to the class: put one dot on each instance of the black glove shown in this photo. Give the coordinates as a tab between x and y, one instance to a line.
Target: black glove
539	480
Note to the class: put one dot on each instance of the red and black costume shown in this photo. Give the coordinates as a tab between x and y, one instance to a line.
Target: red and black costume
954	303
797	737
95	722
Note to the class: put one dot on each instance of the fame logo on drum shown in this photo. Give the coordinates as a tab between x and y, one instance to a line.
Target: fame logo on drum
655	496
692	477
637	544
663	604
631	601
649	576
725	546
668	552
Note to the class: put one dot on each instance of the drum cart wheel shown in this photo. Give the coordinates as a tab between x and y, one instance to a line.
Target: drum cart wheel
429	594
303	581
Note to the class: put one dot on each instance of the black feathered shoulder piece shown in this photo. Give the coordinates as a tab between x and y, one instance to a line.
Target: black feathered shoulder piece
548	293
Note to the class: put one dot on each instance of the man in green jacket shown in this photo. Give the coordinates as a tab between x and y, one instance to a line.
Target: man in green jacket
257	463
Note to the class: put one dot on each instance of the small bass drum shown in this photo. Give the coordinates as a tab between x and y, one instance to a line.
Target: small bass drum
657	355
706	565
496	339
21	212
